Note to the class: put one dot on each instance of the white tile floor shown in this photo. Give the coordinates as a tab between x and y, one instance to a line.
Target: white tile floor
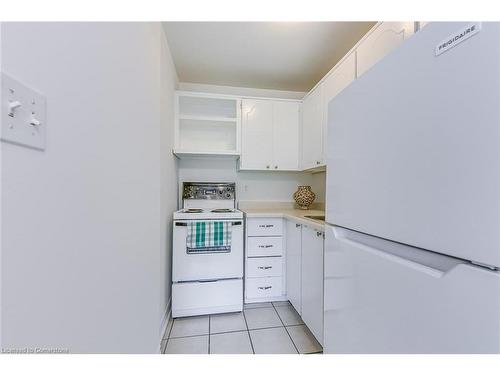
262	328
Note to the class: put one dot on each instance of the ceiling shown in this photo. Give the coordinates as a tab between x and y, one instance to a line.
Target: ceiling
269	55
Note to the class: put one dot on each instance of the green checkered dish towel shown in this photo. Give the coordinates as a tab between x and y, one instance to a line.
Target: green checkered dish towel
208	236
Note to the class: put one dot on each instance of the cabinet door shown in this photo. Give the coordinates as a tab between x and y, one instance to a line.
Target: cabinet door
293	263
286	135
386	37
257	134
312	281
337	80
312	129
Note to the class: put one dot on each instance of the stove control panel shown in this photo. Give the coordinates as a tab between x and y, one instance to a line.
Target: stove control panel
209	190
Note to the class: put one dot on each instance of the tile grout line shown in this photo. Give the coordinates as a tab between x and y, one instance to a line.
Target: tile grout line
301	324
171	328
286	330
235	331
248	331
260	329
168	336
186	337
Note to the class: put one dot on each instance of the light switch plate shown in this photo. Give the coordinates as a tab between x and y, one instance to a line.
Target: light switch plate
26	126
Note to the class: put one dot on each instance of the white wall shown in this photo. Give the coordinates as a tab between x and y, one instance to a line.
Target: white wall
82	259
318	184
257	186
169	177
1	278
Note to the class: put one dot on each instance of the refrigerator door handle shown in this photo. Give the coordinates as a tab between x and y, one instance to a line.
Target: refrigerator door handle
433	264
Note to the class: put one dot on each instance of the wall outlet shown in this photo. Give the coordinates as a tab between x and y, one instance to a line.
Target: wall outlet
23	114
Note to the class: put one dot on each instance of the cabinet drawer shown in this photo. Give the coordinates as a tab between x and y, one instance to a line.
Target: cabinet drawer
264	246
264	267
263	287
264	226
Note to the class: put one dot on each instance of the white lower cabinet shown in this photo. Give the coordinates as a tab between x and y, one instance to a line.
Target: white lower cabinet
312	280
264	246
263	288
286	265
265	267
264	264
304	274
294	264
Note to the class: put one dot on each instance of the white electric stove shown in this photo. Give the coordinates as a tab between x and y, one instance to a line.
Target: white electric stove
210	281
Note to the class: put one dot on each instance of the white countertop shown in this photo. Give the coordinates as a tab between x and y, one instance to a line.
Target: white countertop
293	214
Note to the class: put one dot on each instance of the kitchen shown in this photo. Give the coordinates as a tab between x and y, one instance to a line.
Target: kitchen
230	138
294	284
297	215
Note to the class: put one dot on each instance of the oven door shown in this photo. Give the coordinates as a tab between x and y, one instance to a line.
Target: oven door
207	265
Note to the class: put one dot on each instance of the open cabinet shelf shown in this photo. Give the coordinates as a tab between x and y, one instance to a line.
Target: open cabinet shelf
208	118
207	125
195	154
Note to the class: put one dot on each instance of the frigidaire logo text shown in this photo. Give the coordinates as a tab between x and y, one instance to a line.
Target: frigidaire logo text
458	37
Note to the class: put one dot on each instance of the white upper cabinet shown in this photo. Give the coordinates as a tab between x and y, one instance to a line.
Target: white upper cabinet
256	134
341	77
379	41
270	135
382	40
312	129
286	135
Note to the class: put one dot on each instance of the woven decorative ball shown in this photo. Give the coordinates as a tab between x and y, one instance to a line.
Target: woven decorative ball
304	197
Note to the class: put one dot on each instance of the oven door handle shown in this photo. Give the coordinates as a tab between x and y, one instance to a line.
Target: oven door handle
185	224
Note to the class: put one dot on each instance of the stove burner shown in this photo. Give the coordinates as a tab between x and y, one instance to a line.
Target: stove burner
223	210
193	210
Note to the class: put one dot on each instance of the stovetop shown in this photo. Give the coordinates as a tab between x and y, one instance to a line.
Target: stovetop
208	200
205	210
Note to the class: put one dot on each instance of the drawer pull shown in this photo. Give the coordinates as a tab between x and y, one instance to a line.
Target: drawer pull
266	225
265	267
265	246
265	287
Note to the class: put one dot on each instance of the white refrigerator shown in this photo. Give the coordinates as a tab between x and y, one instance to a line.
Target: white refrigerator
412	251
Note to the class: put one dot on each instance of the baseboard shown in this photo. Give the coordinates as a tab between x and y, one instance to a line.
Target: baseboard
167	316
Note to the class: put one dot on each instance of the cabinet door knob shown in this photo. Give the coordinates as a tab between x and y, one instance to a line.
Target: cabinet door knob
297	225
275	167
318	162
268	166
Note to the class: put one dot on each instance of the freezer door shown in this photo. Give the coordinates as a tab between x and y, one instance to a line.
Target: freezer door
414	146
384	297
